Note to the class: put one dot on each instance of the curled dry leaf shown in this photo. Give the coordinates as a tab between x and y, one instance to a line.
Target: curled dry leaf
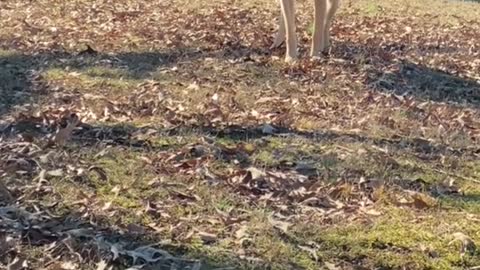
370	211
102	174
102	265
69	266
278	224
208	237
309	250
422	201
17	264
57	173
416	200
331	266
241	232
467	243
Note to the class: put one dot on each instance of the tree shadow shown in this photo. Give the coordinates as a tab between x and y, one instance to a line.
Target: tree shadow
124	136
70	234
383	74
462	200
23	83
388	72
427	84
16	85
77	235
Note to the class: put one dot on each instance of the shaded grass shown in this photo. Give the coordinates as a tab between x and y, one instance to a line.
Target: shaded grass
399	237
392	241
93	80
187	205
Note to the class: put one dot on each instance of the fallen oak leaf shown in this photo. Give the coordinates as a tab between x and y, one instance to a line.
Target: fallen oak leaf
241	232
420	201
370	211
57	173
416	200
207	237
88	51
280	225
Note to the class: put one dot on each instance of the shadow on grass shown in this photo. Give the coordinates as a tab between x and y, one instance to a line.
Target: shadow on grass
77	236
17	72
428	84
467	201
123	136
403	78
19	86
15	83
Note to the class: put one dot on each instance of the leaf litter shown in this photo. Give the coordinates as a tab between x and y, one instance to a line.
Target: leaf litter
39	143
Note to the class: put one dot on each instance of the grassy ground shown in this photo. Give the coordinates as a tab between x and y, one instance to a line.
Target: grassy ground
196	140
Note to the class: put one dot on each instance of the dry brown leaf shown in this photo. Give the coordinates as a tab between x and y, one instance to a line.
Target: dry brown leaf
422	201
279	224
102	265
331	266
310	250
242	232
56	173
207	237
467	243
371	211
69	266
17	264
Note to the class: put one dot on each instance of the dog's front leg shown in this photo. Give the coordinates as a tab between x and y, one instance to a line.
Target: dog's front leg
332	7
318	39
288	13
